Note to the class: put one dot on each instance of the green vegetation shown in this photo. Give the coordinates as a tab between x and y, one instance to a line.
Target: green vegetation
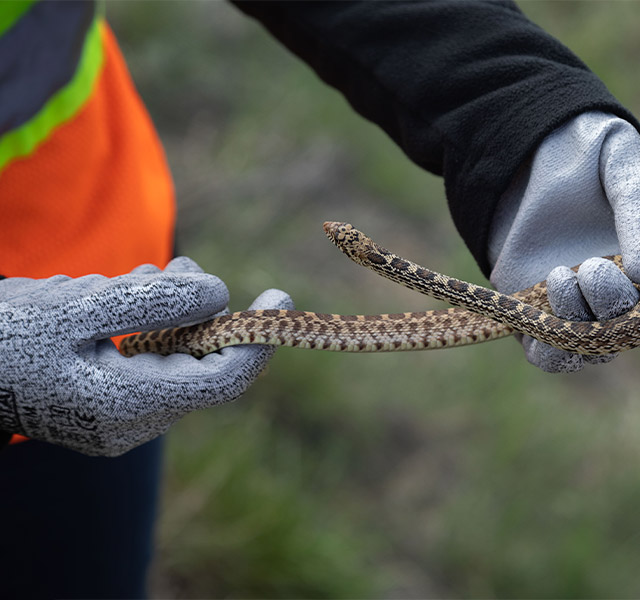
459	474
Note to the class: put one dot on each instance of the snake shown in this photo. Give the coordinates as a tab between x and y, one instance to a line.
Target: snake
480	314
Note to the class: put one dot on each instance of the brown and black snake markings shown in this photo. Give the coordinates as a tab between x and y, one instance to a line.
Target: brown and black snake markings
485	315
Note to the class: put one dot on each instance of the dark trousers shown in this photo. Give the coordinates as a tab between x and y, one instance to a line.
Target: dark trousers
73	526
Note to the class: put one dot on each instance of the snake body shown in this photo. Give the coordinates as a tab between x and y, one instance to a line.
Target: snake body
485	315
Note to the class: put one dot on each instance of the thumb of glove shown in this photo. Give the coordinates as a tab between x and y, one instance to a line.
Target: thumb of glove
150	300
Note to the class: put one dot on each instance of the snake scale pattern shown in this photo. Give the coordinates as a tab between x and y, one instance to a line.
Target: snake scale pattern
485	315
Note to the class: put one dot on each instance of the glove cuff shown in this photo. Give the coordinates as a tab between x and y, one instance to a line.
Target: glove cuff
555	210
5	437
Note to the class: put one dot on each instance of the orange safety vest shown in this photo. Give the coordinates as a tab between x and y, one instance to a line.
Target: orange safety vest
86	189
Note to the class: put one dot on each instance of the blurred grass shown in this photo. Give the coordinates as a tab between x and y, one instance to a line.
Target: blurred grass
464	473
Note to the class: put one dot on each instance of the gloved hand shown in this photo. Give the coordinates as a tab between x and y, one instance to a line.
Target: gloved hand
62	380
578	198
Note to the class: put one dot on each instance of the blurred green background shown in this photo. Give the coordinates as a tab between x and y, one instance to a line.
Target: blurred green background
457	474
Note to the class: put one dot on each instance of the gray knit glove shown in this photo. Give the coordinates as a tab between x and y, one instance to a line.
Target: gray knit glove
578	199
62	380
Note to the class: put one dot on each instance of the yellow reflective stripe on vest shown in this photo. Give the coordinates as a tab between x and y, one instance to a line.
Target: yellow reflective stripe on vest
62	105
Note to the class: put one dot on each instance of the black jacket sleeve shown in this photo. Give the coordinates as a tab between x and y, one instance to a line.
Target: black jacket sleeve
466	88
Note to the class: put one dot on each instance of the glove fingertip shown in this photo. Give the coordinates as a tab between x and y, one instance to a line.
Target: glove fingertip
608	291
550	359
272	298
632	268
565	296
145	269
183	264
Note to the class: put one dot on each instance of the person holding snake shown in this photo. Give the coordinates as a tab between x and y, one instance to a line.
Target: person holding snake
542	171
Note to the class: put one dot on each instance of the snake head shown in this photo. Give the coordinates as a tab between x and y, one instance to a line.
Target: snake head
346	237
336	231
355	244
